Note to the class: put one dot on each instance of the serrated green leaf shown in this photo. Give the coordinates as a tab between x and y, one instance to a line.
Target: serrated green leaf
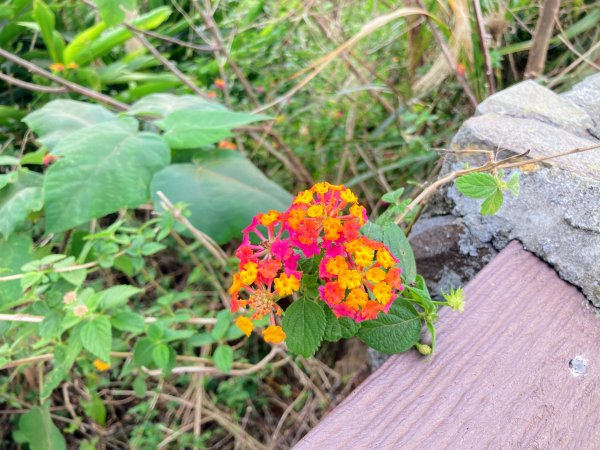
128	321
477	184
395	240
492	204
349	327
59	118
75	277
223	358
51	326
232	188
193	128
19	199
394	332
39	430
161	105
115	175
224	320
51	381
304	325
96	337
514	184
113	11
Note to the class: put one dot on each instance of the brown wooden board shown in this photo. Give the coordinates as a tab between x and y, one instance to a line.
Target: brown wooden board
502	375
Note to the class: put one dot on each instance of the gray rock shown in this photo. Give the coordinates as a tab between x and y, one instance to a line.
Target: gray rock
517	135
585	95
531	100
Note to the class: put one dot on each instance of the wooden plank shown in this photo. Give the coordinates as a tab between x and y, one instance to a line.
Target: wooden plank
501	376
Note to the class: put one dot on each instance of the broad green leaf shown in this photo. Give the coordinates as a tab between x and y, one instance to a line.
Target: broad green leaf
477	185
18	199
113	11
39	430
223	358
103	168
193	127
96	337
372	231
44	17
394	332
224	191
492	204
51	326
117	296
224	320
128	321
113	38
304	325
59	118
333	328
395	240
81	42
349	327
514	185
161	105
75	277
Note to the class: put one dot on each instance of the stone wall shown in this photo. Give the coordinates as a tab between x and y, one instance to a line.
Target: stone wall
557	214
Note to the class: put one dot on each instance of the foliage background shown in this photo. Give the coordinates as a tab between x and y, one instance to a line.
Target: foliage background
368	116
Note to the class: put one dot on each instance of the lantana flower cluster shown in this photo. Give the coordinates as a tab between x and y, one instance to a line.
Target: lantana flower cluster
358	277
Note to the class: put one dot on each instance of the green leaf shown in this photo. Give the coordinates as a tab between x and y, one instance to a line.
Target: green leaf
7	160
44	17
477	185
333	328
95	410
39	430
394	332
75	277
304	325
372	231
128	321
117	296
514	185
395	240
142	352
51	326
224	320
19	199
14	253
492	204
349	327
113	11
81	42
193	128
393	197
59	118
51	381
223	358
161	355
96	337
224	192
161	105
115	175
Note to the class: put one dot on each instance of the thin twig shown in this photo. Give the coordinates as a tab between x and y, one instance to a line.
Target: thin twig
489	70
32	86
493	165
74	87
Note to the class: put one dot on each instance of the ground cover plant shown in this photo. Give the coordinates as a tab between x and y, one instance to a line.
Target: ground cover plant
174	270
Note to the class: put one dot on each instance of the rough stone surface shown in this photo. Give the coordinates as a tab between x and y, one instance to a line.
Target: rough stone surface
585	95
531	100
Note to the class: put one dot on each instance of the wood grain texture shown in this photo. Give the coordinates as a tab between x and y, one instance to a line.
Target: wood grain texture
500	377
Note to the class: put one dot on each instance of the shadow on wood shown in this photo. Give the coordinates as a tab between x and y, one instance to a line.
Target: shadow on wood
519	369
